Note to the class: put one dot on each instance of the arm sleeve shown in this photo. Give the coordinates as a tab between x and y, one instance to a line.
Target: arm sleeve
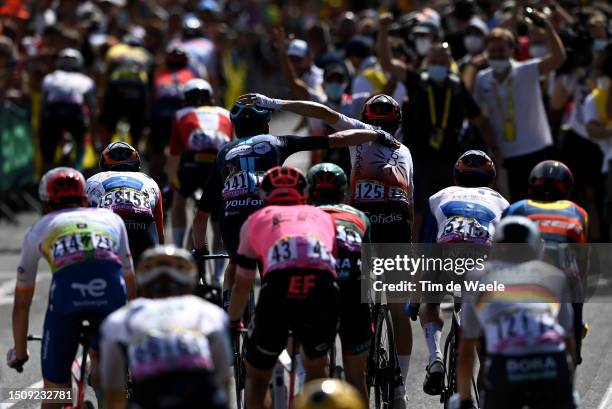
345	123
293	143
176	143
28	264
469	105
112	362
211	197
221	353
469	322
124	248
246	254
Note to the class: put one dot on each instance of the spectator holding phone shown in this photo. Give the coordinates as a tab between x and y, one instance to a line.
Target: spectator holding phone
509	94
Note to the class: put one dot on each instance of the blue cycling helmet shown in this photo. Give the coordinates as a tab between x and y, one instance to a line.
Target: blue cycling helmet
242	113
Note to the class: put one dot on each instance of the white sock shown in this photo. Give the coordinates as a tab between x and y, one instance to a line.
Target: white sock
404	364
177	236
433	333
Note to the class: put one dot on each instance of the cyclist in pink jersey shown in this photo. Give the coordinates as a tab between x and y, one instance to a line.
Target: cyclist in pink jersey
295	245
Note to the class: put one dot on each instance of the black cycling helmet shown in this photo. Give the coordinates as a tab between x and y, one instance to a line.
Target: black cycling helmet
474	169
326	183
197	92
550	180
242	114
176	58
120	156
383	111
69	59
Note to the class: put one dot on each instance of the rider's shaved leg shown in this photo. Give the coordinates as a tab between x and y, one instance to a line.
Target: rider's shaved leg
52	385
257	393
315	368
355	367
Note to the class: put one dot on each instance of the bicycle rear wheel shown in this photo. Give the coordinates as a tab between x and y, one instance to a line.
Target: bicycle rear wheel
383	366
240	369
451	346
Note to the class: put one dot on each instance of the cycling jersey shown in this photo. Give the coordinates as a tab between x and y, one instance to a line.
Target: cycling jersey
136	198
381	185
352	230
197	135
88	252
238	170
561	221
165	339
168	84
65	87
464	215
128	64
202	56
289	237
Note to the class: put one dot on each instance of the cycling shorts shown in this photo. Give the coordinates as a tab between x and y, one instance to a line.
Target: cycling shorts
89	290
539	381
232	215
57	118
178	390
389	221
355	319
191	177
285	303
142	234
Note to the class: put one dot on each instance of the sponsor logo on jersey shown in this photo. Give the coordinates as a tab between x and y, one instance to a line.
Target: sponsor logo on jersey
122	181
384	218
243	202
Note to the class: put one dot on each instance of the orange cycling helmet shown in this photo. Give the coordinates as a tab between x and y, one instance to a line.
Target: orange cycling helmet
61	186
120	156
383	111
283	185
474	169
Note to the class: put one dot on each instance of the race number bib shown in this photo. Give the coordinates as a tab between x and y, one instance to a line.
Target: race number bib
369	190
291	251
464	229
242	183
154	354
398	193
125	197
76	246
522	328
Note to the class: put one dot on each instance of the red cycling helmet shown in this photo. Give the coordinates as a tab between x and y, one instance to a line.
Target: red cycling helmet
120	156
550	180
283	185
474	169
61	186
383	111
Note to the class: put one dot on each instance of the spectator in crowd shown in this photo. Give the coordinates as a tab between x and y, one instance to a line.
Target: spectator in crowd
521	130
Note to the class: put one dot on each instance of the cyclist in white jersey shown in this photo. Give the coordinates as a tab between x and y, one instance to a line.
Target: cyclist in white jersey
464	213
93	275
131	194
527	328
175	345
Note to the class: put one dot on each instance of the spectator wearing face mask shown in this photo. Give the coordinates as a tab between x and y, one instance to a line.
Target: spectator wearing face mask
432	117
509	94
474	42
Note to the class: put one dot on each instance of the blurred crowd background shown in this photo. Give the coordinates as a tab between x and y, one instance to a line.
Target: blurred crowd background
431	56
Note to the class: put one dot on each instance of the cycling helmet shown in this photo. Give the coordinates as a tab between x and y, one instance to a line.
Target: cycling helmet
120	156
517	229
326	183
244	113
191	28
283	185
62	186
383	111
197	92
69	59
167	260
176	58
474	169
329	394
550	180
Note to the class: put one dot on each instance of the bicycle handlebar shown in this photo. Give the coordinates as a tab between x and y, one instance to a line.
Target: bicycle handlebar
34	337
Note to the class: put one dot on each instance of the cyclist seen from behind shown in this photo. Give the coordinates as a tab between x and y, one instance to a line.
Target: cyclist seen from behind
381	186
93	275
232	189
327	185
295	244
130	193
67	106
174	345
199	130
462	214
527	328
561	223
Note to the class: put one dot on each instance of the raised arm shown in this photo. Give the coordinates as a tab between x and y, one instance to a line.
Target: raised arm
353	137
395	67
305	108
297	87
557	51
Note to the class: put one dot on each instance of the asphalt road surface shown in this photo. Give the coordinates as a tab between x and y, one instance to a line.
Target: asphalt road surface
593	381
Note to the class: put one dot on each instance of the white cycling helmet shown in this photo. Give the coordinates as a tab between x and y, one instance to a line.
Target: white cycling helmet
69	59
517	229
166	260
197	92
